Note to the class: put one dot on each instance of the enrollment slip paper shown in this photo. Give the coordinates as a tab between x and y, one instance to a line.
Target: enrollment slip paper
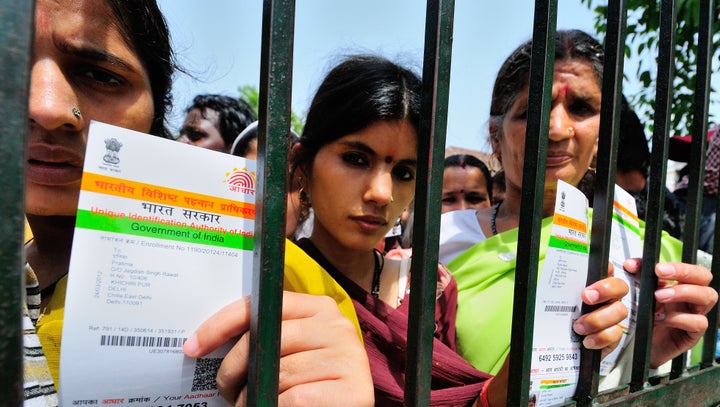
555	362
163	240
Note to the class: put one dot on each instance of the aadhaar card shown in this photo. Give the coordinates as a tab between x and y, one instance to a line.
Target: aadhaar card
163	240
625	243
556	348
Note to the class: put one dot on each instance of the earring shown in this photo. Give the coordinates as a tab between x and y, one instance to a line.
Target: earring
305	204
495	162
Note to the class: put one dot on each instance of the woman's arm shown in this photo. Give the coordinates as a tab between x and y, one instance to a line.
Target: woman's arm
322	361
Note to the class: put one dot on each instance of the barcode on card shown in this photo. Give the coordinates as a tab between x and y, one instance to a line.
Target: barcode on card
560	308
142	341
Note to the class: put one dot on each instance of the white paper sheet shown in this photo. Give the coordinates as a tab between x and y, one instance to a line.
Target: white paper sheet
163	240
556	348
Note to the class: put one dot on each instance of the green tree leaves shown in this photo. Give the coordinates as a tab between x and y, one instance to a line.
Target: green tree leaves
642	46
251	95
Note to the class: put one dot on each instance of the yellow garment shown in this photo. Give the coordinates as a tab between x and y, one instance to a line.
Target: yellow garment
28	231
49	328
305	275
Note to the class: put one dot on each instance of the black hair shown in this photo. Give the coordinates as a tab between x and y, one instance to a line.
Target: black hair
144	28
241	145
234	115
360	91
633	150
462	160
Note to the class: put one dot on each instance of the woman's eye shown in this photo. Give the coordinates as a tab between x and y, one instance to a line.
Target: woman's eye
101	76
582	109
404	173
355	159
521	114
192	134
476	199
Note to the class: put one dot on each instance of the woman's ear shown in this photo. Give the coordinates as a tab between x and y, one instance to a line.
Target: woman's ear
495	142
297	170
494	132
299	179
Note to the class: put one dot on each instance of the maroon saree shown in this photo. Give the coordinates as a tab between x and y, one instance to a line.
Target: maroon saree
454	381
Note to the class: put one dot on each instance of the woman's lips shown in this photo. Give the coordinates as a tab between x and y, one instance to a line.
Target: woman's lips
554	159
53	165
369	224
44	173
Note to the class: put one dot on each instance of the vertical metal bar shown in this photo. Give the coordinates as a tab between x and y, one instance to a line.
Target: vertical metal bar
697	167
656	201
696	164
542	64
274	124
710	338
16	28
605	180
431	150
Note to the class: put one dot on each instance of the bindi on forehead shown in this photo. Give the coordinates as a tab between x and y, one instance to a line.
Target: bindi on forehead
564	88
388	159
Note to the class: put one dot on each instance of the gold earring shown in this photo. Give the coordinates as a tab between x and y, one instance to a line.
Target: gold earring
495	162
304	204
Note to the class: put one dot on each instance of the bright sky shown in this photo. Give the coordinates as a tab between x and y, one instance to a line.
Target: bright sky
219	43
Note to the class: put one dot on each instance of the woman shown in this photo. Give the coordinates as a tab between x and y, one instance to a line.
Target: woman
91	60
484	275
356	164
111	61
467	183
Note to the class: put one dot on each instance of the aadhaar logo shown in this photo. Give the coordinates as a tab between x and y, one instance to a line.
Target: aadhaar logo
241	180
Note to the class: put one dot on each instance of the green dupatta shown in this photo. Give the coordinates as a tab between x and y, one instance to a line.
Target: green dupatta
485	274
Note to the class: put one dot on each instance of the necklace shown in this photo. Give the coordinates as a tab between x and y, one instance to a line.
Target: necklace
492	218
379	264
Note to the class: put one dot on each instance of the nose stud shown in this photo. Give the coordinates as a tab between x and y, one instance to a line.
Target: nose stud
571	131
76	112
392	199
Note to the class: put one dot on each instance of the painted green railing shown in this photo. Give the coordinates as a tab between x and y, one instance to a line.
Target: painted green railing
16	22
693	386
